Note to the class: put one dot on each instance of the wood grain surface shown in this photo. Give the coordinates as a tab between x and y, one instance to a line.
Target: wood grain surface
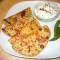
4	7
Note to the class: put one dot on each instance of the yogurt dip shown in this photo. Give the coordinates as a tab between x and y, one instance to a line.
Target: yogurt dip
45	11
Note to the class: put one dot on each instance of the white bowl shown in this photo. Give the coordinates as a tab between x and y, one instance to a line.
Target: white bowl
52	4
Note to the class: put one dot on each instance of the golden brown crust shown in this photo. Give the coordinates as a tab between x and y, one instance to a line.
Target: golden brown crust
12	29
30	45
29	28
17	22
26	14
31	40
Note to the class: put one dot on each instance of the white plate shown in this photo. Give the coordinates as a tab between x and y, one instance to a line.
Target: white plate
52	49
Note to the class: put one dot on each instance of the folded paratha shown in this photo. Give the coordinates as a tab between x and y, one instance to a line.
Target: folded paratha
12	29
28	29
25	14
33	43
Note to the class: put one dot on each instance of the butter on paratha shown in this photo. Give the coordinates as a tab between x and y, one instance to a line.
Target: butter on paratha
33	43
29	28
25	14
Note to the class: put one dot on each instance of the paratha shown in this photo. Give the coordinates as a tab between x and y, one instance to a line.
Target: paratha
29	28
33	43
12	29
17	26
25	14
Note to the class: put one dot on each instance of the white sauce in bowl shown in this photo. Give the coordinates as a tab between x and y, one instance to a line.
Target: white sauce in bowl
45	11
